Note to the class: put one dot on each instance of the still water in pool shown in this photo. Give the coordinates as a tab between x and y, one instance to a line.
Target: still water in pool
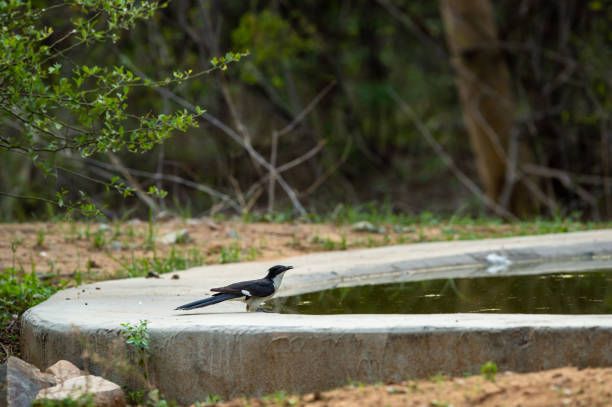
560	293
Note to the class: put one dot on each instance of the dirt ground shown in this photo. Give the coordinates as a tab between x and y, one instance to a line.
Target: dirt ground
559	387
80	252
99	250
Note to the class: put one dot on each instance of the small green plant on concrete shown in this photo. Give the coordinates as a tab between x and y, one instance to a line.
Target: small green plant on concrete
137	337
489	370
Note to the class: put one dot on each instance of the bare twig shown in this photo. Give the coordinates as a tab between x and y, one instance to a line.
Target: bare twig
271	177
408	23
317	183
464	179
142	195
285	130
313	103
238	191
245	143
287	166
37	198
176	179
511	175
306	156
566	179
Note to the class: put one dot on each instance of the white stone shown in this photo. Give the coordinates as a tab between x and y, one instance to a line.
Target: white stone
103	392
64	370
178	236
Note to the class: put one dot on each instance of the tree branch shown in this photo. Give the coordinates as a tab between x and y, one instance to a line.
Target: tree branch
464	179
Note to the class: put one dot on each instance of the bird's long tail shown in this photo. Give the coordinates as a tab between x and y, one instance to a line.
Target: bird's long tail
217	298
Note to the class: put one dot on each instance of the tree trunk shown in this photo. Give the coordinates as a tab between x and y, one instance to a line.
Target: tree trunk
487	103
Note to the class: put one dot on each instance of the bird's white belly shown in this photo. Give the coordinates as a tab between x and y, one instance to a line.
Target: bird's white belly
253	303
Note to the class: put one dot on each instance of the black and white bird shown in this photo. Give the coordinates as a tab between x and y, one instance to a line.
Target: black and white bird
252	292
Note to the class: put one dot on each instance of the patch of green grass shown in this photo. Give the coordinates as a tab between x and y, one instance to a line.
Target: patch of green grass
20	291
86	400
178	260
150	238
212	399
438	378
40	237
437	403
280	397
230	254
99	241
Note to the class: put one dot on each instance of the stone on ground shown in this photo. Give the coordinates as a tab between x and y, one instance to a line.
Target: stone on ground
64	370
178	236
103	392
24	381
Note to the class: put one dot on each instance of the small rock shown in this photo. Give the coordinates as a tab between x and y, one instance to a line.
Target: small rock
179	236
164	216
92	264
46	276
115	245
64	370
103	227
152	274
134	222
43	254
365	226
104	392
232	234
210	223
175	276
402	229
24	381
393	390
316	396
193	221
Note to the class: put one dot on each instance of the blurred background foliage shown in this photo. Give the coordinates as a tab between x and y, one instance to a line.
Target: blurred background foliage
317	88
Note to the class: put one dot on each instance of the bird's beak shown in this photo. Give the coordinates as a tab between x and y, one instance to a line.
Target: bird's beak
288	268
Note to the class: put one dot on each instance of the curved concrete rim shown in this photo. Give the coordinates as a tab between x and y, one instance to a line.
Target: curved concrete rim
222	350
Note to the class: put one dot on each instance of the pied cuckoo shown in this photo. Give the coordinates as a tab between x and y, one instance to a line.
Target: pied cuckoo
252	292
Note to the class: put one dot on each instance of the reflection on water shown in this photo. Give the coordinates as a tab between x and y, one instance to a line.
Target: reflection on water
561	293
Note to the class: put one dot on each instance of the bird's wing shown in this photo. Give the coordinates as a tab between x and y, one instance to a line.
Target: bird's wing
252	288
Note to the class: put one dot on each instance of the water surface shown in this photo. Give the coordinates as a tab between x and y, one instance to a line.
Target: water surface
559	293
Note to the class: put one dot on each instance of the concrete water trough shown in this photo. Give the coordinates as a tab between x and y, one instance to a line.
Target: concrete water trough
224	351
